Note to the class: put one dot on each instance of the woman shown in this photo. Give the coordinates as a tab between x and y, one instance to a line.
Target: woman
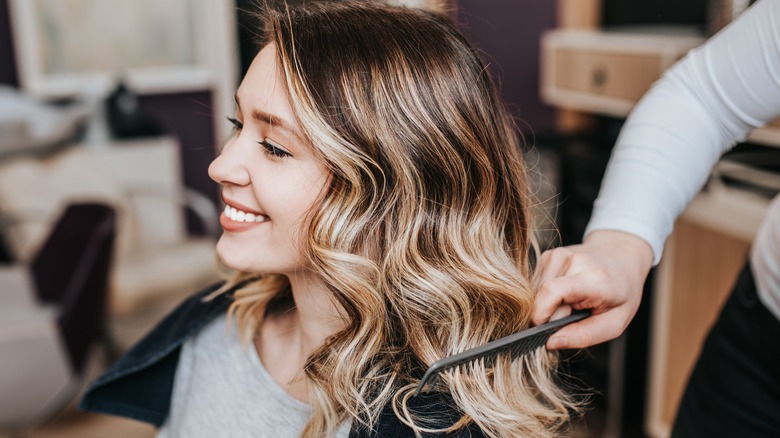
377	214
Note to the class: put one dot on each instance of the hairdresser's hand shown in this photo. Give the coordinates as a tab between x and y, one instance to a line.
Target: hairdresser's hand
606	273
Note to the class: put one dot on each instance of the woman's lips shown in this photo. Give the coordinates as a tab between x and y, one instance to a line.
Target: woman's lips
236	217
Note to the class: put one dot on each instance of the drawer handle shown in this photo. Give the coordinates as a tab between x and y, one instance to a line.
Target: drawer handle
599	77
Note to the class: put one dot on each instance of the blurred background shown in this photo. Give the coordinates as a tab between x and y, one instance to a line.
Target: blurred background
111	111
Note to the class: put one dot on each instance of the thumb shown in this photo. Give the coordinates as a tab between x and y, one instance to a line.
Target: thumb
588	332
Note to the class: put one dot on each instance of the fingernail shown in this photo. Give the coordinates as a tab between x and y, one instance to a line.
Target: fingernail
557	342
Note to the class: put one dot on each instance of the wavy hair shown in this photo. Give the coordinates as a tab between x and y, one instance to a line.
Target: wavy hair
423	232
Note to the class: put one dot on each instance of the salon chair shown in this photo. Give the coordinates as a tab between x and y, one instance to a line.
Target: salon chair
52	313
157	263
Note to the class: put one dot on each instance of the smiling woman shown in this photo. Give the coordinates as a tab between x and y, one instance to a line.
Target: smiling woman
377	216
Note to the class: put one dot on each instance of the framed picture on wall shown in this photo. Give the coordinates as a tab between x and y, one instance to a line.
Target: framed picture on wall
71	47
66	46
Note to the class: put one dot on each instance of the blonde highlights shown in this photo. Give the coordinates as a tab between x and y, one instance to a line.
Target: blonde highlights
423	232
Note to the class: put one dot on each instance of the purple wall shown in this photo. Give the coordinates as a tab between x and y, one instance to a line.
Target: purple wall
186	114
508	32
189	116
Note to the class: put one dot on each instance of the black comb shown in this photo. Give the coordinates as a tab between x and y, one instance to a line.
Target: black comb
517	345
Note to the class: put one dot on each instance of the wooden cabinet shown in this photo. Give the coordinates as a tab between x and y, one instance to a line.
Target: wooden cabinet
701	261
608	72
602	72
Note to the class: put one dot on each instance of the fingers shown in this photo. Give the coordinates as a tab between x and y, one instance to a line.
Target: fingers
553	263
544	307
582	290
561	312
604	274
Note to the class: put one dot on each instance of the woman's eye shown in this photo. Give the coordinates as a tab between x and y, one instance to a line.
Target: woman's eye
237	125
273	150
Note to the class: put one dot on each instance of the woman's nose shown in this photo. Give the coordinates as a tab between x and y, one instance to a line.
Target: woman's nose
229	167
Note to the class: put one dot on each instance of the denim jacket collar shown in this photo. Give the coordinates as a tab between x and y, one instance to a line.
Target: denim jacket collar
140	384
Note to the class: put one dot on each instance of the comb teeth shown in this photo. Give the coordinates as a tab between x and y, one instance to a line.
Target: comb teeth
516	345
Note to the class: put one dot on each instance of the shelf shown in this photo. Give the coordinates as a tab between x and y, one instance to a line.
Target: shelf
605	72
608	72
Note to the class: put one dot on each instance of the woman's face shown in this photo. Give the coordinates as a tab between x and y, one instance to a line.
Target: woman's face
269	176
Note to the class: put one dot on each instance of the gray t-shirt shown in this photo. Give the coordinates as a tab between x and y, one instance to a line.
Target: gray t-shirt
221	389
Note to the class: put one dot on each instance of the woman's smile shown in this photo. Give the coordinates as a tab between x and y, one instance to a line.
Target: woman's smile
237	217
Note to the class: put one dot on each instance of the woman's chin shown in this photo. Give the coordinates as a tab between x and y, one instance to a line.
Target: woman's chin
237	262
230	257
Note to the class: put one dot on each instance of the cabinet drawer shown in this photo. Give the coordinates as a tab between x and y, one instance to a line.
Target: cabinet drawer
619	75
605	72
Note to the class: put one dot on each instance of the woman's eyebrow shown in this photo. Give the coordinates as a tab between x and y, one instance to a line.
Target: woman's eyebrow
276	122
273	120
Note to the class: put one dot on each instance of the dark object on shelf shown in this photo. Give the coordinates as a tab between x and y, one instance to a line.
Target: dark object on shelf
583	159
655	12
125	119
752	168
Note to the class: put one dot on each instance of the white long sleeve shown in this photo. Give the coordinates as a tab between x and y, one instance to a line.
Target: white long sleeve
699	109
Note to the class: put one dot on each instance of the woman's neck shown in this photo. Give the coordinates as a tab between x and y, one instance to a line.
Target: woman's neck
318	314
286	338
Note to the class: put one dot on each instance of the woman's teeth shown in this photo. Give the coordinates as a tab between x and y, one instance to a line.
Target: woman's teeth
242	216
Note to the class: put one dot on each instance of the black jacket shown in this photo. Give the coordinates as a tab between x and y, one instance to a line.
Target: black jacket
140	384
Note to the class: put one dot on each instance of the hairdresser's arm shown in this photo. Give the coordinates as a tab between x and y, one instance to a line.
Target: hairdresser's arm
700	108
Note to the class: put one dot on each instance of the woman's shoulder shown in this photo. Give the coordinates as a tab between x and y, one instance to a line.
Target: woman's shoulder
186	319
151	363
